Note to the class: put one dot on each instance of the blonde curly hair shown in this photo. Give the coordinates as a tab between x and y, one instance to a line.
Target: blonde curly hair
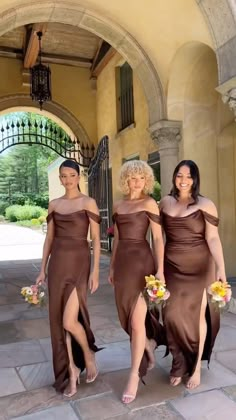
134	167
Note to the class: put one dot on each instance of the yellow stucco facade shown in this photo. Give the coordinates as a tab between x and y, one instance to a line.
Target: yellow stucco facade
182	65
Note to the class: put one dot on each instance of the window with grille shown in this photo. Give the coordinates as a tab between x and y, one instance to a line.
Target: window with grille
125	98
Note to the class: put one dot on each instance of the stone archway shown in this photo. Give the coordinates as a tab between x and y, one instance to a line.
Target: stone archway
74	14
223	34
58	113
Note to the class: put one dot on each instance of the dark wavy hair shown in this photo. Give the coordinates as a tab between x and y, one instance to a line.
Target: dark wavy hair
195	175
68	163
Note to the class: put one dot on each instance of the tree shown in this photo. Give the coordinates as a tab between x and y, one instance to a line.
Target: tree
23	168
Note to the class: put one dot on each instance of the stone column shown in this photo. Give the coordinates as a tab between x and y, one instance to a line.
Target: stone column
228	92
167	135
230	99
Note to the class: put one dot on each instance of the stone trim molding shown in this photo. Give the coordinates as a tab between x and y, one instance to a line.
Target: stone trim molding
14	102
220	18
68	12
230	99
228	92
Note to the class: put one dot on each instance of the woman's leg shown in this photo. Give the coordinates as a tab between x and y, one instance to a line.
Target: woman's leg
150	347
138	341
75	328
195	379
74	372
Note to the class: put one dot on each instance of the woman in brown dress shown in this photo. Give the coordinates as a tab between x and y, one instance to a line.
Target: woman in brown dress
132	260
192	252
69	218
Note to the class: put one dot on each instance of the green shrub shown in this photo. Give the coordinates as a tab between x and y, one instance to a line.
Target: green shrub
35	222
24	223
27	212
2	218
42	219
3	206
11	213
21	199
156	191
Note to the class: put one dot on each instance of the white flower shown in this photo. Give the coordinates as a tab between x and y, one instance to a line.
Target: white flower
41	294
217	298
26	289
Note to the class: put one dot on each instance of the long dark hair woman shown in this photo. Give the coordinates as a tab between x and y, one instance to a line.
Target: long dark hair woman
69	218
193	260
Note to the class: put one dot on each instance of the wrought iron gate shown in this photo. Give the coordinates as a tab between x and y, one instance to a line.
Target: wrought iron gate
99	182
41	132
44	133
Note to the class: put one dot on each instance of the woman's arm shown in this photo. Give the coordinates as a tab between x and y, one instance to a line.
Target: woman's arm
46	247
114	247
214	243
113	254
158	245
95	236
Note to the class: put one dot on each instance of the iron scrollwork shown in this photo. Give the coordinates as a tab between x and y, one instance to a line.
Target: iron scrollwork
42	132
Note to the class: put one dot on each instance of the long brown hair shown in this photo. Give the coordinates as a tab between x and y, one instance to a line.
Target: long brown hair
195	175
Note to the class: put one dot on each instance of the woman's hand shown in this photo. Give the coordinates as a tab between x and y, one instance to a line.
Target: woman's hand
110	277
220	275
93	281
160	276
41	279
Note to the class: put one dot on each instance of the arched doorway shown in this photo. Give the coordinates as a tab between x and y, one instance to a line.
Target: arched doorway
52	110
115	35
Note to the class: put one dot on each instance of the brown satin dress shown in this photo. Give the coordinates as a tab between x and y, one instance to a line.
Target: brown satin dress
189	269
68	268
133	261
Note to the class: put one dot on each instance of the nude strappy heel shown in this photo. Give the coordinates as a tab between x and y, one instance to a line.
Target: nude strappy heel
73	390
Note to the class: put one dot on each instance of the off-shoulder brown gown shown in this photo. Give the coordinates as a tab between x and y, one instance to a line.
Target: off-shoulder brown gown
133	261
69	268
189	269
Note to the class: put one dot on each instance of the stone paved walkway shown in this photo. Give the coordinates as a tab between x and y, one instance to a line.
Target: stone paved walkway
26	371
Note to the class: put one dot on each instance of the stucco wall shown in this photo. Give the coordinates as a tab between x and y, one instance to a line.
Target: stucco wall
71	88
134	140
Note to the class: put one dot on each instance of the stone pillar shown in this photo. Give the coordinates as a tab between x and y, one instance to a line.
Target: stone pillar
228	92
230	99
167	135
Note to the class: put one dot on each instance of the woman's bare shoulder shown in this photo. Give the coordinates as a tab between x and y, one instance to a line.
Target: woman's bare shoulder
207	205
165	201
117	204
151	205
90	204
53	204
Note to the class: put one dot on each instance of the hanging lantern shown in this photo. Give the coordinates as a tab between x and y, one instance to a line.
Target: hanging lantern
40	83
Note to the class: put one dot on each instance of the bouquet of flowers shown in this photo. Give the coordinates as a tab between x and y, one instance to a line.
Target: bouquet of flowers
34	294
220	293
155	291
110	231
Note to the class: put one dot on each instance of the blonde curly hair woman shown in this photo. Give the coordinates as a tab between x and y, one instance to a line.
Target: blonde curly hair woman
132	260
131	169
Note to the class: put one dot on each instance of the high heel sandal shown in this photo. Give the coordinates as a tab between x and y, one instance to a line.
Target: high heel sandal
92	378
128	398
175	381
72	390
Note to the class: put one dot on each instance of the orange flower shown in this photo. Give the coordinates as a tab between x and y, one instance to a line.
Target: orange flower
35	299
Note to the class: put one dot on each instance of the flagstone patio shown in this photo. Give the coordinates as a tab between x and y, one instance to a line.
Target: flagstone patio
26	372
